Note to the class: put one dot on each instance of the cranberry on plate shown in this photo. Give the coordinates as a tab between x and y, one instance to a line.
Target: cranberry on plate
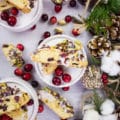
31	102
58	8
27	76
56	81
65	88
18	72
5	117
41	108
28	67
12	21
53	20
68	18
46	34
59	71
4	15
44	17
20	47
14	11
66	78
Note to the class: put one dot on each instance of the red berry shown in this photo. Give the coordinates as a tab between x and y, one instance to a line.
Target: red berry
104	76
5	117
41	108
18	72
56	81
53	20
14	11
44	17
27	76
76	32
59	71
12	21
66	77
105	81
46	34
65	88
20	47
28	67
4	15
33	27
68	18
31	102
72	3
58	8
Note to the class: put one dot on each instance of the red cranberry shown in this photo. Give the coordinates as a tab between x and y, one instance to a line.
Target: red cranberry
33	27
5	117
46	34
56	81
58	8
4	15
66	77
68	18
12	21
27	76
14	11
20	47
18	72
34	83
44	17
76	32
59	71
31	102
28	67
104	76
41	108
65	88
72	3
53	20
105	81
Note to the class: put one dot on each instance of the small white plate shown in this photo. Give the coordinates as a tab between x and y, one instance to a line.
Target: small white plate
26	21
26	87
76	73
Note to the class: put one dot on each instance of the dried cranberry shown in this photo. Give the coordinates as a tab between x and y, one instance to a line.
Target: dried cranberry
33	27
65	88
34	83
31	102
46	34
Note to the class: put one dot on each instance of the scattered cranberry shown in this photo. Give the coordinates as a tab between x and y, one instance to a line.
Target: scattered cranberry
14	11
20	47
41	108
34	83
58	8
104	76
28	67
5	117
72	3
44	17
59	71
65	88
33	27
4	15
75	32
46	34
53	20
12	21
68	18
27	76
31	102
66	77
105	81
18	72
56	81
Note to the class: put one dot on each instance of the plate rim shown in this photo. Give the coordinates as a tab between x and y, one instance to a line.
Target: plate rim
37	65
32	92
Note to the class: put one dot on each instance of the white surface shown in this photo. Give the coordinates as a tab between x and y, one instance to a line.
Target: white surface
30	40
25	87
76	73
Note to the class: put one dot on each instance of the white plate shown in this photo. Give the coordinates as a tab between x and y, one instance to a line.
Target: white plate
24	86
26	21
76	73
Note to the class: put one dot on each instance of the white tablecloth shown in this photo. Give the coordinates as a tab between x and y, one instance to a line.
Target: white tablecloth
30	40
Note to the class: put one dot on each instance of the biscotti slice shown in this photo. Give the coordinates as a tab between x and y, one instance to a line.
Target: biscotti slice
13	102
13	55
18	114
23	5
4	5
46	55
56	103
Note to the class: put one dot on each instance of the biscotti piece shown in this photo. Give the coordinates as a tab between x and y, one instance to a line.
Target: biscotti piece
18	114
46	55
13	55
4	5
23	5
56	103
13	102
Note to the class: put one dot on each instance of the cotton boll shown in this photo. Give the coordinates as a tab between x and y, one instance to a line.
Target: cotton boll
109	117
88	107
115	55
107	107
91	115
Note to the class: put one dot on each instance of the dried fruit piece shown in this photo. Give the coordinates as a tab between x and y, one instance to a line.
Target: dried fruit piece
58	30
